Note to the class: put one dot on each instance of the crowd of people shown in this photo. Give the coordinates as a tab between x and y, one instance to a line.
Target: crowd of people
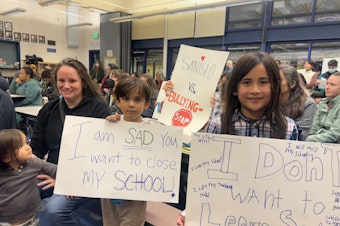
256	96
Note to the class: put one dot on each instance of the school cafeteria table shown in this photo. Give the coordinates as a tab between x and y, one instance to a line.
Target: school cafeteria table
28	110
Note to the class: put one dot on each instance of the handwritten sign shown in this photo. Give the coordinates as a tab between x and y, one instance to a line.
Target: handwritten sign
237	180
195	78
123	160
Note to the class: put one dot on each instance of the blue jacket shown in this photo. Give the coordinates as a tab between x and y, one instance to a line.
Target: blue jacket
30	89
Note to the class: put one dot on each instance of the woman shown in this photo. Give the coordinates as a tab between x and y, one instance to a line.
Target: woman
159	79
26	85
48	88
97	72
295	103
80	98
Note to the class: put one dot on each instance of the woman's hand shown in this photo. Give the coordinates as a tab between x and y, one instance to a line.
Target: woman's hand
113	118
47	181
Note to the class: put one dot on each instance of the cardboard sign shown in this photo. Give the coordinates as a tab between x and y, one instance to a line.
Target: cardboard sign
237	180
195	78
121	160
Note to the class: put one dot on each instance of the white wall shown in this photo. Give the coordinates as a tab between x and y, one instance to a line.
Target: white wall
50	21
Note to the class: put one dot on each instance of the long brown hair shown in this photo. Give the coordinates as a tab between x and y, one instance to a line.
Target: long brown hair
89	88
294	107
273	112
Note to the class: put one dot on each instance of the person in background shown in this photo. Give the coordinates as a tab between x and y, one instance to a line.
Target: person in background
159	79
326	124
133	97
295	103
214	123
135	74
317	96
26	85
7	109
228	67
97	72
107	83
147	113
116	75
19	195
317	71
79	98
332	68
36	76
307	70
252	102
48	88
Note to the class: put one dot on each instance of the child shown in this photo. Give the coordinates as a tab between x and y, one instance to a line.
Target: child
19	173
317	96
133	97
252	102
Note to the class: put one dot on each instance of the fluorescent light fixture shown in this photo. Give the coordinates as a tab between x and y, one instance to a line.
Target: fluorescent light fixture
80	25
48	2
181	10
12	12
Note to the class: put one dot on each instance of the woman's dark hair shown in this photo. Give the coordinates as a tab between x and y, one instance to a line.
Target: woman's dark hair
10	142
89	88
126	85
150	81
294	107
28	71
113	66
47	73
273	112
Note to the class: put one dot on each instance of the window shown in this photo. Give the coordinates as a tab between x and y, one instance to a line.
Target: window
292	12
245	16
327	11
294	54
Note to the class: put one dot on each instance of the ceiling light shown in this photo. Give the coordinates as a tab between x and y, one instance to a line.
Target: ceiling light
181	10
48	2
12	12
80	25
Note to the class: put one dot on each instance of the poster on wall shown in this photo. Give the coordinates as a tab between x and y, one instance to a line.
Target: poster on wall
41	39
25	37
8	26
34	38
17	36
8	35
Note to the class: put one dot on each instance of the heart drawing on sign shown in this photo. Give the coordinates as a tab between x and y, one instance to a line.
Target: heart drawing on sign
202	58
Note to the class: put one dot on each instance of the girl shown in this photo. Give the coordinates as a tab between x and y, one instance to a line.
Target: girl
252	102
294	101
19	169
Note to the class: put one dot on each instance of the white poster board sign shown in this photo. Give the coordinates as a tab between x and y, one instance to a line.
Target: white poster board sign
237	180
195	78
122	160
